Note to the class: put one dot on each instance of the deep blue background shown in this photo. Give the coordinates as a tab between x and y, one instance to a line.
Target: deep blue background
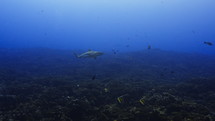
127	25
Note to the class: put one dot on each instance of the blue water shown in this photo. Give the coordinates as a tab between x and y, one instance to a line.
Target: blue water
44	78
126	25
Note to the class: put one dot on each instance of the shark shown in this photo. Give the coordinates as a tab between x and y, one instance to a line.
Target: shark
89	54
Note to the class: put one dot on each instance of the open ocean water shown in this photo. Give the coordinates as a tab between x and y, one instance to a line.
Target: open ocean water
107	60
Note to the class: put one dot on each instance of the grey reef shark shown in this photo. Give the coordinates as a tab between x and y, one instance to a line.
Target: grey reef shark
89	54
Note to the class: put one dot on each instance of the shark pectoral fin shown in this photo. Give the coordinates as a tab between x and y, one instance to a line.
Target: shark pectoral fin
76	55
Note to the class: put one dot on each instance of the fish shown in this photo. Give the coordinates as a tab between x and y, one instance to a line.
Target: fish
142	100
94	77
89	54
193	31
172	72
107	90
115	51
121	99
208	43
149	47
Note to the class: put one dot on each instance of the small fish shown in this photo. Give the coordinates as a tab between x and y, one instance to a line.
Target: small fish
94	77
106	89
208	43
161	74
193	31
149	47
120	99
115	51
142	101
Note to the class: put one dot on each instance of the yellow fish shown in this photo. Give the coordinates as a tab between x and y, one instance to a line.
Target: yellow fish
142	101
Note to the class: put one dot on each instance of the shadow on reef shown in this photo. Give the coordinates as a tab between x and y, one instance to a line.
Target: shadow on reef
52	86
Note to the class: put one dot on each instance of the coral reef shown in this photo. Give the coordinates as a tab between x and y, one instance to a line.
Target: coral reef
55	89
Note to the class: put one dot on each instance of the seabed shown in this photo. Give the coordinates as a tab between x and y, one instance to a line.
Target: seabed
149	85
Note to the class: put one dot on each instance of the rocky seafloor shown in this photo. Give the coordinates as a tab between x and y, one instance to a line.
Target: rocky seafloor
155	85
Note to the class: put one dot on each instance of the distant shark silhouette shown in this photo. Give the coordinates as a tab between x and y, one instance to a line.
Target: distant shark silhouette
208	43
89	54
